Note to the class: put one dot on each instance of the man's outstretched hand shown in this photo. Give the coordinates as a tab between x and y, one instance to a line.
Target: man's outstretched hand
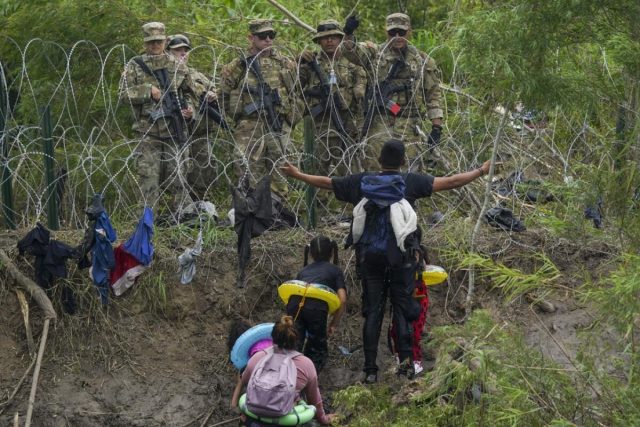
289	170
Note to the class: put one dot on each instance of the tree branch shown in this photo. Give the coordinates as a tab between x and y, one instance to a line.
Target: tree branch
292	16
36	292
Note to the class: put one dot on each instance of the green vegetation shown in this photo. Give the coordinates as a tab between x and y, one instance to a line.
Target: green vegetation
487	375
577	62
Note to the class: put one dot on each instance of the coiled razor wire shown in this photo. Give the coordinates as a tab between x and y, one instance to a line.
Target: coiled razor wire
95	147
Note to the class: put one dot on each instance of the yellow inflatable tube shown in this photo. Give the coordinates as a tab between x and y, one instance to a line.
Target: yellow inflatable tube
310	290
433	275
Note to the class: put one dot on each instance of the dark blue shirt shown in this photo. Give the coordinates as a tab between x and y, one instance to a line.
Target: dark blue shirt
347	188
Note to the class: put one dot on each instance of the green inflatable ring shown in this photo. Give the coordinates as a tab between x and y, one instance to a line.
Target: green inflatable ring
300	414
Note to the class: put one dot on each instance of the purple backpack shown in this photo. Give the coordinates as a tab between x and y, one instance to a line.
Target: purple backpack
271	391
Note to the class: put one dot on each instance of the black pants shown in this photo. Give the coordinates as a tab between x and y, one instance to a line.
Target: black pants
378	279
311	326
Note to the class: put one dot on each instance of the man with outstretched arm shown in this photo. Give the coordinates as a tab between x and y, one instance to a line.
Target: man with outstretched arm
386	260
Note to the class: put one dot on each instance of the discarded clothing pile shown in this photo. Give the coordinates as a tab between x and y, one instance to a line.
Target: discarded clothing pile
187	261
503	218
594	213
529	190
109	268
253	215
133	256
50	262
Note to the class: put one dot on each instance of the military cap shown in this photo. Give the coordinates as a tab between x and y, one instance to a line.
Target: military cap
260	26
398	20
179	40
328	27
153	31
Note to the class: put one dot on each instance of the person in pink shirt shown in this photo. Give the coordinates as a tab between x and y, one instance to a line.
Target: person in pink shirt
285	338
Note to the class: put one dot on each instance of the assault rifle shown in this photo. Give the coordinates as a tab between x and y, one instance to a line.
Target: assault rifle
212	110
379	96
266	98
328	100
170	109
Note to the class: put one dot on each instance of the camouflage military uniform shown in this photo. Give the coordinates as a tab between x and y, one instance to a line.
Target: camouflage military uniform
421	96
336	154
258	149
160	159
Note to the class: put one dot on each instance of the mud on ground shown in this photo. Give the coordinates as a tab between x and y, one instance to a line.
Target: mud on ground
142	362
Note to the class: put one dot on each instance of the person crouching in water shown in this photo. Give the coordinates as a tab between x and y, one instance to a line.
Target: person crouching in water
285	339
311	314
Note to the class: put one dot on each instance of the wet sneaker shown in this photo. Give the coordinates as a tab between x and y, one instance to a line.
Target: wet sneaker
417	367
371	379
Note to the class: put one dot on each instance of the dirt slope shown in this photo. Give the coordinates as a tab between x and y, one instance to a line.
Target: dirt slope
139	363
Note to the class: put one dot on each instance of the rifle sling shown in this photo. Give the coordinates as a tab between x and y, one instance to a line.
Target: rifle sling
162	76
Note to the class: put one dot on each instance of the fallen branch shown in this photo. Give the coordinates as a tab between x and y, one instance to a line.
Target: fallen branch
292	16
36	372
35	291
43	301
459	92
6	403
206	419
24	307
225	422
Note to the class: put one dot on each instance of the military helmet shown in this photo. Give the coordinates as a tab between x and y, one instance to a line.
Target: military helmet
153	31
398	20
179	40
328	27
257	26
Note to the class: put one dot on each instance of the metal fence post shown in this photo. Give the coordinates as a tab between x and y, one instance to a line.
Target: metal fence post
50	177
7	191
309	167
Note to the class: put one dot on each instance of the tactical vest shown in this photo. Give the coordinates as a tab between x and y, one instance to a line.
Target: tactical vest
348	86
142	112
410	100
275	72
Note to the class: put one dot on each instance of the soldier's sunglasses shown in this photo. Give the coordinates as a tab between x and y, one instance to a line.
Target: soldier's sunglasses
327	27
269	34
397	32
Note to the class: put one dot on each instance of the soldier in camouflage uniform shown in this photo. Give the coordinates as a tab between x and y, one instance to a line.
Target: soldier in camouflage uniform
161	163
260	142
202	173
416	91
338	115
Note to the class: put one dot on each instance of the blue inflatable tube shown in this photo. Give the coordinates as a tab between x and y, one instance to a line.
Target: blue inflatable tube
240	351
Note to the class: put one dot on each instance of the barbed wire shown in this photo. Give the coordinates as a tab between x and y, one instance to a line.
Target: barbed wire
95	151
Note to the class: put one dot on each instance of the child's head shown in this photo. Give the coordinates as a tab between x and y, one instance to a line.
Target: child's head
237	328
284	333
321	248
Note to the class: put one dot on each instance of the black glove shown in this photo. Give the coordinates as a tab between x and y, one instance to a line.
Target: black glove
434	136
351	24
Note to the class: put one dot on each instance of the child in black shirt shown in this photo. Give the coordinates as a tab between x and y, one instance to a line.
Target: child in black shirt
311	314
